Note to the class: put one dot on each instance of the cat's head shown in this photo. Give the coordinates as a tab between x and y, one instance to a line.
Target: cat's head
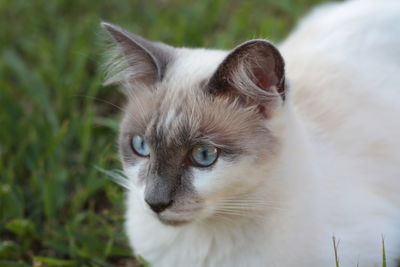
197	136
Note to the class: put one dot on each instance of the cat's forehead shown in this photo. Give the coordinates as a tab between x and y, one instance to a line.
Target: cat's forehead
178	101
150	110
171	119
180	115
192	65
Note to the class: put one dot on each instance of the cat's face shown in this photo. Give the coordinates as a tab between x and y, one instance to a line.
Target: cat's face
192	153
192	146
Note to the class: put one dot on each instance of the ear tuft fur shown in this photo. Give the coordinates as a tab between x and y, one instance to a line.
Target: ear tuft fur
135	59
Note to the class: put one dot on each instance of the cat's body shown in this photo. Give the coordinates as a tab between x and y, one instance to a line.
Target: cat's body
331	167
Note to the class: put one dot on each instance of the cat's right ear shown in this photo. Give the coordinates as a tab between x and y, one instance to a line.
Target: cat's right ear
136	60
254	73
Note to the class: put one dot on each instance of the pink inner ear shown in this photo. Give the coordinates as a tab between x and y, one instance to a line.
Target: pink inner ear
264	111
264	80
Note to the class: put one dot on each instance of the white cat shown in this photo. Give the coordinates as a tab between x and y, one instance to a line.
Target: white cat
234	159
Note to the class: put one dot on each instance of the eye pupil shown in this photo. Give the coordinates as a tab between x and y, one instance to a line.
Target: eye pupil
205	154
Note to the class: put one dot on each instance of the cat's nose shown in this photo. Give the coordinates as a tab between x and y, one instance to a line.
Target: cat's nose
158	193
158	205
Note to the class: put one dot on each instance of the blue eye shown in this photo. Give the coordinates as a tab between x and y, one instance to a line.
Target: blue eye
140	146
204	156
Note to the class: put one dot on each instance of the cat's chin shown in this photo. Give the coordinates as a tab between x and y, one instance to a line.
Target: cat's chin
175	218
173	222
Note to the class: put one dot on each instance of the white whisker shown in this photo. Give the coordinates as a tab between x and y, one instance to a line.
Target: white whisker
118	177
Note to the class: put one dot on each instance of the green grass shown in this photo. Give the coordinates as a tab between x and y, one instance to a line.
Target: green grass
336	252
56	208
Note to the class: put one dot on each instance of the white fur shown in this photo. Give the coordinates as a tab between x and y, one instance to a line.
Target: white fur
338	173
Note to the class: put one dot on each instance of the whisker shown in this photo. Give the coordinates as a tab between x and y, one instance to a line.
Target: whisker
252	206
124	110
118	177
101	100
239	214
248	201
227	212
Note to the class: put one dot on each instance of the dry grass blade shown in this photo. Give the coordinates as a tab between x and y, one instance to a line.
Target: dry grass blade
335	248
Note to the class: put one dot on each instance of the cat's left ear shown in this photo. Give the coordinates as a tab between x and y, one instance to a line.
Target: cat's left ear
142	60
254	73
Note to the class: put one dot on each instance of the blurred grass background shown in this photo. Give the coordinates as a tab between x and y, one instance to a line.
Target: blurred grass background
56	208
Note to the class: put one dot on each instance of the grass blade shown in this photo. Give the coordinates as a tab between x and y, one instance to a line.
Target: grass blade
383	252
335	248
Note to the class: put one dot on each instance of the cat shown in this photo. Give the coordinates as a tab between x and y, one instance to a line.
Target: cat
260	155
